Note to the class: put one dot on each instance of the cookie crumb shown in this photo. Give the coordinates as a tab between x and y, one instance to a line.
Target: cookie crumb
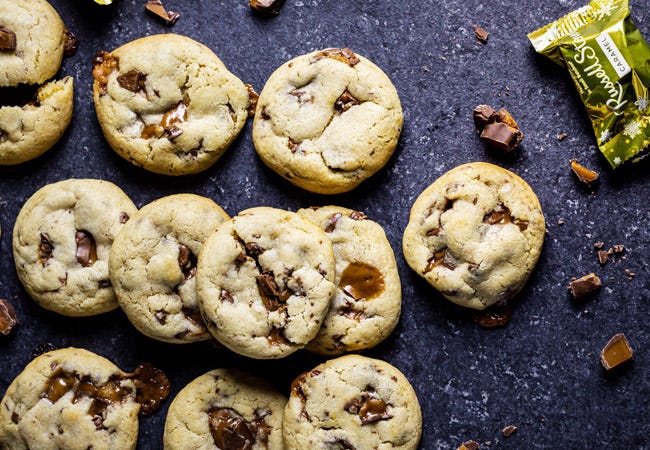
585	287
8	319
603	257
586	176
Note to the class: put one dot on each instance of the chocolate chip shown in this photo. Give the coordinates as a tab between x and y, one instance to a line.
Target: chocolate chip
481	34
345	101
499	129
254	97
331	222
124	217
585	287
42	348
152	387
267	7
86	248
8	319
358	215
340	444
483	114
497	315
619	248
186	261
272	297
161	317
156	7
253	249
133	80
7	39
99	423
293	146
229	430
599	245
225	295
434	231
298	391
71	43
507	431
469	445
45	248
15	418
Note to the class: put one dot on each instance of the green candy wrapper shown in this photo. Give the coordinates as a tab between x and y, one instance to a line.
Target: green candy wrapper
609	62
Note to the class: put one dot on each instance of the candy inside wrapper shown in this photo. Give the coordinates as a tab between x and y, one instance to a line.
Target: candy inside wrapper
609	62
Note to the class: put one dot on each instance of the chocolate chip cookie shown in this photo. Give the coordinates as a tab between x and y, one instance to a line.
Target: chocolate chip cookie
352	402
227	409
327	120
475	234
168	104
368	299
61	243
72	399
153	266
264	282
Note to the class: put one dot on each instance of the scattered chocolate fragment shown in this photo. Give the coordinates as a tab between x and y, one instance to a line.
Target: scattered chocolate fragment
186	261
132	81
619	248
152	387
585	287
616	352
469	445
630	274
497	315
585	175
603	257
498	128
507	431
7	39
254	97
71	43
156	7
481	34
345	101
42	348
267	7
483	114
8	319
86	248
561	136
599	245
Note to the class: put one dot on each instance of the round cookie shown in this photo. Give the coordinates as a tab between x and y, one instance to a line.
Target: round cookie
227	409
61	244
327	120
72	399
39	42
264	282
352	402
475	234
153	266
30	130
168	104
368	299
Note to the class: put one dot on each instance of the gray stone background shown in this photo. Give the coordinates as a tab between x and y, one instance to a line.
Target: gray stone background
542	371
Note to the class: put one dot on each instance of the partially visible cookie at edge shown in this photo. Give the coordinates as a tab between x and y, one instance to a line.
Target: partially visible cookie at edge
153	266
352	402
168	104
475	234
69	398
327	120
225	408
368	299
61	243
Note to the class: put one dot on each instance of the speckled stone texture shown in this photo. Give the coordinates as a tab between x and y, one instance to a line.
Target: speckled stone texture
542	371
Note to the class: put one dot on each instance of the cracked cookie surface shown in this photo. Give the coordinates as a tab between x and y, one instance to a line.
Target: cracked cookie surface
61	243
39	42
475	234
264	282
168	104
29	130
327	120
352	402
153	266
227	409
69	398
368	299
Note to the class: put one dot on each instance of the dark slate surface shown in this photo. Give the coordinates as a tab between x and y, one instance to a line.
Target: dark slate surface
541	372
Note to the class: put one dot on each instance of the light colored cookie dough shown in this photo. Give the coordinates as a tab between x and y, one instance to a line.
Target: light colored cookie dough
475	234
29	131
69	399
352	403
264	282
368	299
40	40
168	104
227	409
61	244
327	120
153	266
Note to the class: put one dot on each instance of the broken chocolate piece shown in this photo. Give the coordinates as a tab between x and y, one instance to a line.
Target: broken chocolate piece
276	337
42	348
186	261
167	127
156	7
440	258
8	319
7	39
603	257
71	43
45	249
469	445
272	297
585	175
481	34
229	429
152	387
585	287
507	431
345	101
616	352
133	80
225	295
501	136
86	248
267	7
360	280
253	249
619	248
254	97
483	114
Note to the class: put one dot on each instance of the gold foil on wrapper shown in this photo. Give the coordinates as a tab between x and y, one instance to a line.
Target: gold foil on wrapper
609	62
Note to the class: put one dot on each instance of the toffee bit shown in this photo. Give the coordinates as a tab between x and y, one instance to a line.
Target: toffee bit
7	39
469	445
585	175
616	352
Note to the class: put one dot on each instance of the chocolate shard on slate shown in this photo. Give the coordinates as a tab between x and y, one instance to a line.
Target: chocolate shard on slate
7	39
616	352
267	7
603	257
585	287
156	7
481	34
